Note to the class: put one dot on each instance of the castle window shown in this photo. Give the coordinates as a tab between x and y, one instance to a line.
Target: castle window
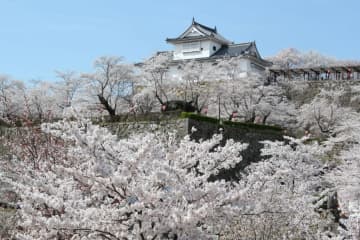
214	48
191	47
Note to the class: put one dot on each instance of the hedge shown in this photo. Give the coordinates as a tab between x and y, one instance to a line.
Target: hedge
253	125
199	117
230	123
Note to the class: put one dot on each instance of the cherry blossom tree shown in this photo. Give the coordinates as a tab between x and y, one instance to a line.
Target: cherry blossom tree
111	83
280	191
155	73
87	184
183	86
67	88
293	58
41	102
324	114
144	101
330	115
75	180
345	174
196	83
245	97
11	98
145	188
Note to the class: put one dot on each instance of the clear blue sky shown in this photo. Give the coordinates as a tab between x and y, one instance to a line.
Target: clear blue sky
38	37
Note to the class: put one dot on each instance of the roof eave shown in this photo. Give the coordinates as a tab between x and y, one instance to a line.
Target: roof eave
184	40
256	59
260	60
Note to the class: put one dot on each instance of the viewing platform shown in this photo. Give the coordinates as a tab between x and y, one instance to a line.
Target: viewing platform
337	73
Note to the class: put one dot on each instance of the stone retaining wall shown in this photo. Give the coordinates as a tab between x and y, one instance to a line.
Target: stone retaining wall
205	130
249	135
125	129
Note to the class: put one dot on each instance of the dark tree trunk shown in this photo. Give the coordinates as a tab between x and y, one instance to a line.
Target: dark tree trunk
252	119
159	99
178	105
107	106
265	118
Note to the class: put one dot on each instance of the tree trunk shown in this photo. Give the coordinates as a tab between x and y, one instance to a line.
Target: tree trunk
265	118
107	106
159	99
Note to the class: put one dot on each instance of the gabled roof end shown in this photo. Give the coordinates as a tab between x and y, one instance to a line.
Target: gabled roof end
207	32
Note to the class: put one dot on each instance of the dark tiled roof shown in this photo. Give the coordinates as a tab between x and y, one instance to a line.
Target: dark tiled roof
243	49
213	30
208	33
234	50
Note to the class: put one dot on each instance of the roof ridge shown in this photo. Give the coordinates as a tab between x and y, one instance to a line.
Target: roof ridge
237	44
214	30
204	30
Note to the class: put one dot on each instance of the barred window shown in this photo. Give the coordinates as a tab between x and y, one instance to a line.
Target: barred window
191	47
